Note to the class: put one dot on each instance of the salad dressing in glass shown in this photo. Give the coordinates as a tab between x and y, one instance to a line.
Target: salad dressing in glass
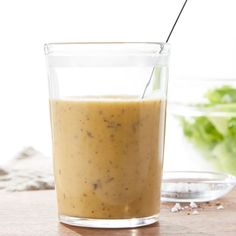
108	156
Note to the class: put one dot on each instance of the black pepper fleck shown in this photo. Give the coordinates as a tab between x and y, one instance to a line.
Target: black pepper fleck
109	179
97	184
89	134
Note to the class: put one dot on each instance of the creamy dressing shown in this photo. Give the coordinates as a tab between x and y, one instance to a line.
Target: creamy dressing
108	156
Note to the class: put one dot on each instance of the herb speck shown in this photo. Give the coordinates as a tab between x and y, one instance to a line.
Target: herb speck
109	179
89	134
97	184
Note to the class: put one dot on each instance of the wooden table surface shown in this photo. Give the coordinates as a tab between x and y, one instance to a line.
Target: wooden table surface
34	214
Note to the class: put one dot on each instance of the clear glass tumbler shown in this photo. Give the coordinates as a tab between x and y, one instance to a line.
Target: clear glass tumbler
107	137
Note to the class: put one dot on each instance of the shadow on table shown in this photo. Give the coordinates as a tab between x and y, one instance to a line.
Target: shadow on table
67	230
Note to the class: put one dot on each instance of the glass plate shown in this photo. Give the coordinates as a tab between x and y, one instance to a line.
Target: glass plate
195	186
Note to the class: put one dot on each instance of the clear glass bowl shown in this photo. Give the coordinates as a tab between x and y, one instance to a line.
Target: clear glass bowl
201	125
200	139
195	186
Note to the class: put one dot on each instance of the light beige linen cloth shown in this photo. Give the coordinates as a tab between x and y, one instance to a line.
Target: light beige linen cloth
29	170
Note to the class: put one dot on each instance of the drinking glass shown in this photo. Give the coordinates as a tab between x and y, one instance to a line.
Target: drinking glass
107	137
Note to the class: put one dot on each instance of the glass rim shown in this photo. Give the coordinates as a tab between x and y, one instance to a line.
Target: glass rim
195	79
140	47
106	42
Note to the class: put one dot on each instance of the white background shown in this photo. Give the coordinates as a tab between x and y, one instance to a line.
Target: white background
203	44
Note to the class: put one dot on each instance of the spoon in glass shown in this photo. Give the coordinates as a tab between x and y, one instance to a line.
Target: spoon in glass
162	47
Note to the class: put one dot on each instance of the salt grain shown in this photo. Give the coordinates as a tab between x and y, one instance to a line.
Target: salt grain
173	209
177	207
220	207
195	212
193	205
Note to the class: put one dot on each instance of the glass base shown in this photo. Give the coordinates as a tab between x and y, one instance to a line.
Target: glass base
108	223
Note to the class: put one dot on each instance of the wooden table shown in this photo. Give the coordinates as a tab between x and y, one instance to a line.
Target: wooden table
34	214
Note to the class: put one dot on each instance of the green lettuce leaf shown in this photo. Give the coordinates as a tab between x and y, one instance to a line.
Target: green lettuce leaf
214	134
